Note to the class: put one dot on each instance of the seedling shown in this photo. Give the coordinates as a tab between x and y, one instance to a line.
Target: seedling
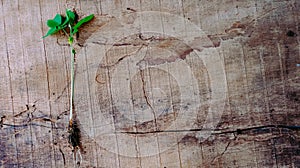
69	25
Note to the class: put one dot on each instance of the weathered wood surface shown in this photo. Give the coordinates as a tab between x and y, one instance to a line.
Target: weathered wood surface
193	84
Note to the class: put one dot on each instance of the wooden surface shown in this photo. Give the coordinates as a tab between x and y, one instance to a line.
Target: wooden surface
159	83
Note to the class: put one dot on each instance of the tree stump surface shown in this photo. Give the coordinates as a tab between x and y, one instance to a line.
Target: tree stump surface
158	84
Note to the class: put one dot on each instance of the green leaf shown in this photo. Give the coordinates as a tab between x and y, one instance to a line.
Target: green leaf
66	22
55	22
51	31
70	16
52	23
82	21
74	31
58	19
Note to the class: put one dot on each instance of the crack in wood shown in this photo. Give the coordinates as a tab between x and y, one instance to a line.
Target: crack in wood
144	91
29	124
139	40
63	156
226	148
147	98
24	111
28	121
219	131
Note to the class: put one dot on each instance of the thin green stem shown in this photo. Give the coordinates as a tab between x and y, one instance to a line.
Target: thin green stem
72	73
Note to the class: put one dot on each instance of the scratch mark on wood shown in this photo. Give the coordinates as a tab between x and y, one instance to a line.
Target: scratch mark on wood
220	155
62	93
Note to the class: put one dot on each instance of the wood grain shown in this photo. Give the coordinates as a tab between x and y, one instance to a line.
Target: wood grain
158	84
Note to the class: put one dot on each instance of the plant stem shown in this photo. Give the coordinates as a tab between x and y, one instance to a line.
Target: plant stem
72	82
72	73
65	32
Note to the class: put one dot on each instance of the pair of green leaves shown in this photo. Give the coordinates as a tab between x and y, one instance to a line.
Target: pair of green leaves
61	23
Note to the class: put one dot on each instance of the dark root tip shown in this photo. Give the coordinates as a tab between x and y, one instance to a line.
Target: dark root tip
74	135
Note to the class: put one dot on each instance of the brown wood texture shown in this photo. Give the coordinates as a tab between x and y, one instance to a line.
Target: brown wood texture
160	83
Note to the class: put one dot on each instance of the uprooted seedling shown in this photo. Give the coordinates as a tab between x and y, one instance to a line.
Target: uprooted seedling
75	140
69	25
